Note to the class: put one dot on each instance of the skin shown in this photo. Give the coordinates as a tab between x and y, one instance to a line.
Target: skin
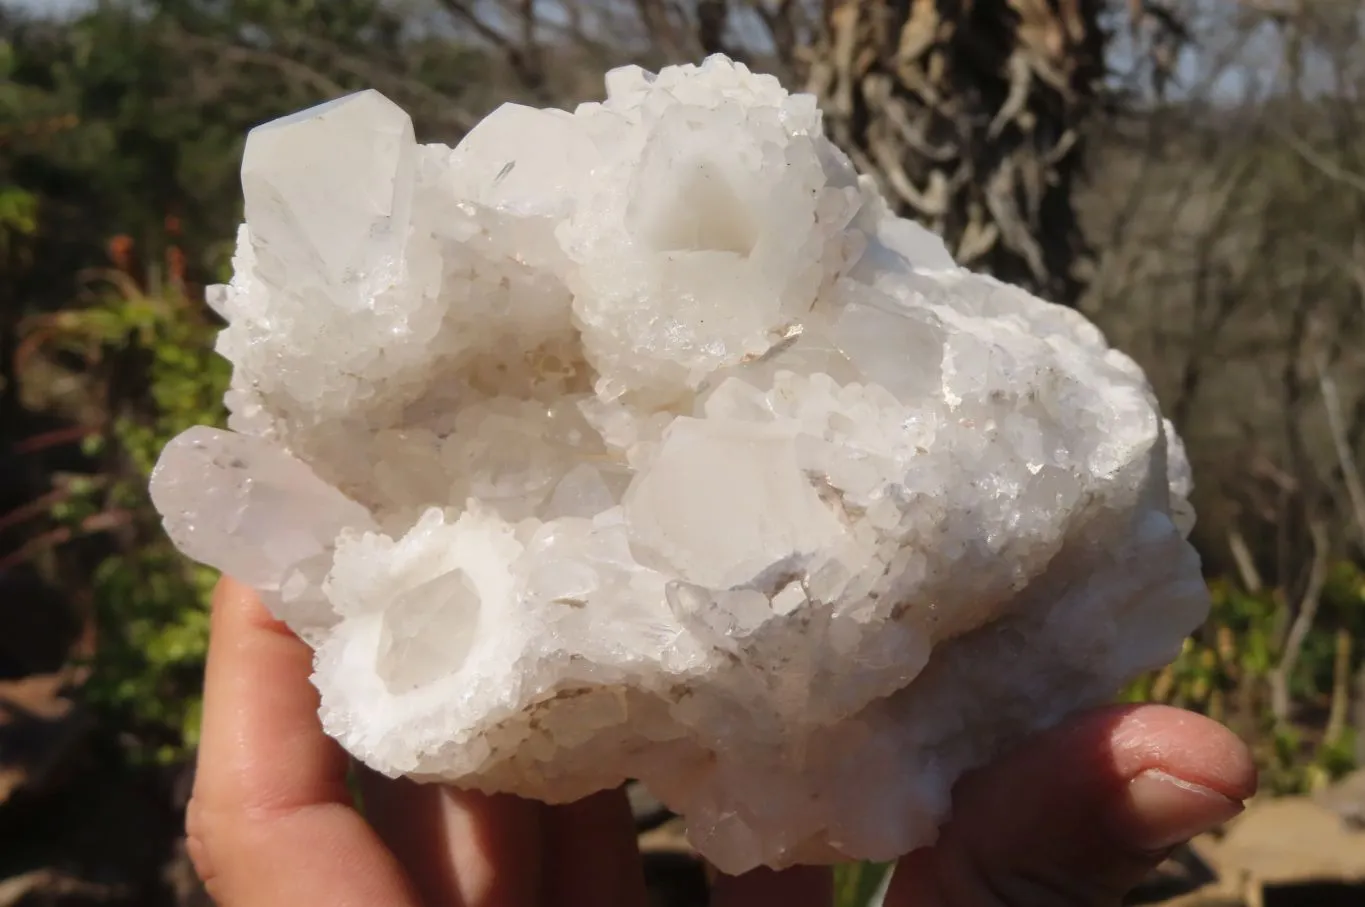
1076	816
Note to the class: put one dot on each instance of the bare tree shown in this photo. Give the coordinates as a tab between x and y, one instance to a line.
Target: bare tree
1231	210
971	114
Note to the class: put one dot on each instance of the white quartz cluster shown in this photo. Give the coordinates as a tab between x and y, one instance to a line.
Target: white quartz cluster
644	442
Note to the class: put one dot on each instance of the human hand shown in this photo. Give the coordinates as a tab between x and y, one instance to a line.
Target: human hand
1074	818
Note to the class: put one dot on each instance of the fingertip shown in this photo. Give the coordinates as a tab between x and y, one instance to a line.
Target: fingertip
1104	748
1160	811
1186	774
228	593
1089	805
1192	747
235	606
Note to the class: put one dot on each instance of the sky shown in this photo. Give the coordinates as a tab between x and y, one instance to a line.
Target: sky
1230	85
56	6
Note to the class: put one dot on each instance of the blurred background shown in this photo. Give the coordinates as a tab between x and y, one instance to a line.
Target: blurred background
1189	173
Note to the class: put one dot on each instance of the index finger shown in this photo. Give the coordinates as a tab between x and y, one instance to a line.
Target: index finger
271	821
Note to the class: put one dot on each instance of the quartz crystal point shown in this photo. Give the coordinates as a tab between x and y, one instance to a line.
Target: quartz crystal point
644	442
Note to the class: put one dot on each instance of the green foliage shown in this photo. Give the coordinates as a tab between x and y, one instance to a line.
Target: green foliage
18	211
18	220
127	120
150	661
857	884
151	603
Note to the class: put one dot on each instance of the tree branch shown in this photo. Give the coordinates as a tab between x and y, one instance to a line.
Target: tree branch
522	53
1350	474
1303	622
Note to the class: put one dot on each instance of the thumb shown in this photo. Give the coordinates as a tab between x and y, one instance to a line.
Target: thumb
1081	813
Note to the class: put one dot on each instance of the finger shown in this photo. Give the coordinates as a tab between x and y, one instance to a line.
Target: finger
473	849
592	858
1082	812
800	886
270	822
462	849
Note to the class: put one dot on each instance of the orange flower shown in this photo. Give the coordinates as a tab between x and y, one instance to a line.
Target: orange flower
175	264
121	251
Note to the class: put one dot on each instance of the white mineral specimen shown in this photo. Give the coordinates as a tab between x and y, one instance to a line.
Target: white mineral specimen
644	442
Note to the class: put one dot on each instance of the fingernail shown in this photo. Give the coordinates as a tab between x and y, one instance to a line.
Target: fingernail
1162	811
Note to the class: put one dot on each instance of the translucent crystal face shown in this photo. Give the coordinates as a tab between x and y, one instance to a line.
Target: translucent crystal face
644	442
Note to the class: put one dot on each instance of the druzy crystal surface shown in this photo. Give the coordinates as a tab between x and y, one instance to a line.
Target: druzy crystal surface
643	441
